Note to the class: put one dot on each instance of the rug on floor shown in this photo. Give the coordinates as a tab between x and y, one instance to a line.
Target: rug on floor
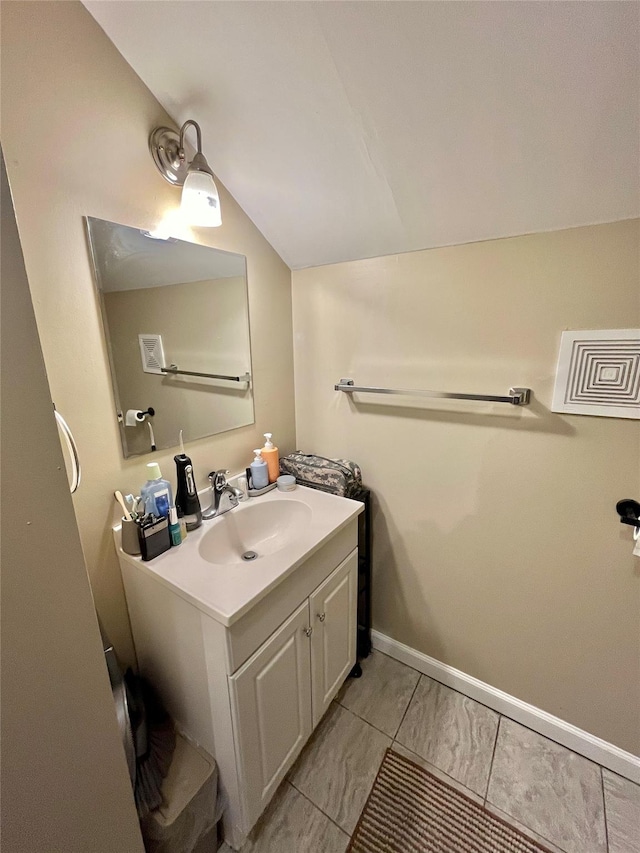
411	811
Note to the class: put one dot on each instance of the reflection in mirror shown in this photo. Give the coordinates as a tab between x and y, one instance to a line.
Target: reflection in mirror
176	321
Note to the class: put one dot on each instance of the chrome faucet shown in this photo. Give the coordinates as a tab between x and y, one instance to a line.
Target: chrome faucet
223	496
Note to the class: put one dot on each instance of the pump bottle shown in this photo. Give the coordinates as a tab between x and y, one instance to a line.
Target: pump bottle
270	456
259	472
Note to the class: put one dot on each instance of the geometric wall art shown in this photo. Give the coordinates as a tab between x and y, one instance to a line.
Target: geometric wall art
598	373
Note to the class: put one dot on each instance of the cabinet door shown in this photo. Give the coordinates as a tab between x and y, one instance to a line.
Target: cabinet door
333	641
271	708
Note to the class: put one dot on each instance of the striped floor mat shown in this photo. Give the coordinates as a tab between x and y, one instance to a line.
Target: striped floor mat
410	811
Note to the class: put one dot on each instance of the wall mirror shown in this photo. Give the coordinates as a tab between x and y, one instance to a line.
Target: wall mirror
176	321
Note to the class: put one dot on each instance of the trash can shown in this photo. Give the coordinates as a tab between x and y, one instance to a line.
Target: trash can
192	805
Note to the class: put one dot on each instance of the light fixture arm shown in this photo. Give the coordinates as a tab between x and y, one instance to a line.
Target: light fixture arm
195	124
199	162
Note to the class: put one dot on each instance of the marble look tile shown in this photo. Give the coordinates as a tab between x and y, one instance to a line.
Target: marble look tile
451	731
381	695
622	808
338	766
548	845
430	768
292	824
548	788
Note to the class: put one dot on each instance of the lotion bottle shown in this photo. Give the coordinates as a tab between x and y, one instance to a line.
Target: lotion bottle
270	456
259	471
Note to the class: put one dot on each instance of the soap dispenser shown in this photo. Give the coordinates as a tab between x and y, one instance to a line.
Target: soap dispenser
270	456
259	471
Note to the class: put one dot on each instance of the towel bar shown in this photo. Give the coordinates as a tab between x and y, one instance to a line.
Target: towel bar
516	396
173	369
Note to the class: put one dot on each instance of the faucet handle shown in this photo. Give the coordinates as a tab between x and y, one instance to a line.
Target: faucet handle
218	479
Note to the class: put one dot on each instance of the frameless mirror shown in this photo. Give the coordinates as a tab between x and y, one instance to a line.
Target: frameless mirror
176	321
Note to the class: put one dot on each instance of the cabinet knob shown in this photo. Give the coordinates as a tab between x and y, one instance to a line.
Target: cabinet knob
308	631
321	616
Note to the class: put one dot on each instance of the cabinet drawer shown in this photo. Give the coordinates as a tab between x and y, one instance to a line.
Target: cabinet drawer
246	635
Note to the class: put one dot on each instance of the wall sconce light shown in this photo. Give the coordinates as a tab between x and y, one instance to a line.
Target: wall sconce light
200	201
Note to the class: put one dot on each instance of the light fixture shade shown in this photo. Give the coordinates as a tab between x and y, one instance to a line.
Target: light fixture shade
200	201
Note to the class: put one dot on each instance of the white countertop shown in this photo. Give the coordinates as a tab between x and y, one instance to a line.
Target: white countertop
228	591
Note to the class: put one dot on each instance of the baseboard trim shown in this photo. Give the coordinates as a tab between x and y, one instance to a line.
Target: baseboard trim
592	747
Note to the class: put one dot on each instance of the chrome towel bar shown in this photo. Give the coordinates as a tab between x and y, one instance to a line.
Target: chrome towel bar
173	370
516	396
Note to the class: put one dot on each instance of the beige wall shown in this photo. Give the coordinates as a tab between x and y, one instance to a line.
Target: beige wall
204	327
496	544
75	123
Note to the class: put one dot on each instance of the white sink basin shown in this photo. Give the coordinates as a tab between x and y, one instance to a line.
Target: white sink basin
283	528
257	530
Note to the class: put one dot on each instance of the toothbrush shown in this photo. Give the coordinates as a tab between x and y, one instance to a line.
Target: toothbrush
120	499
131	504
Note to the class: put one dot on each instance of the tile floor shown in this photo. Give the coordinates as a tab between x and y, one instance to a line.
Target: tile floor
553	795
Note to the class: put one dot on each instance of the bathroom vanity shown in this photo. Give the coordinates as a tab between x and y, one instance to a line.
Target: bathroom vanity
248	654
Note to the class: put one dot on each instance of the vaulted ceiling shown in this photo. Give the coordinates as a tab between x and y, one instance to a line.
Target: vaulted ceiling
356	129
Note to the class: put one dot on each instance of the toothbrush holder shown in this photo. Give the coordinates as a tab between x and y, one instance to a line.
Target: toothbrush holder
130	537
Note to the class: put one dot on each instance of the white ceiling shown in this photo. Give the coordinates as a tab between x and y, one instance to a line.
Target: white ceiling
356	129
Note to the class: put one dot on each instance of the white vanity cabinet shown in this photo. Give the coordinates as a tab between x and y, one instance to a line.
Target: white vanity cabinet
250	692
280	694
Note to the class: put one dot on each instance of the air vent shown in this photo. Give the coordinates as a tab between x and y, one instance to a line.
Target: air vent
599	373
152	353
